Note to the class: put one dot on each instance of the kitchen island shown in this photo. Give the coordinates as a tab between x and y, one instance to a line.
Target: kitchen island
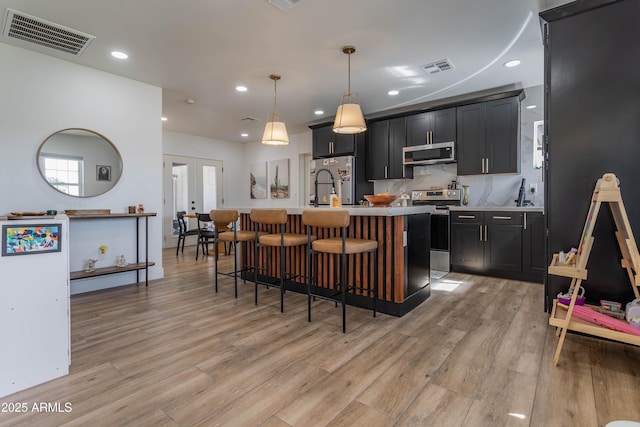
403	235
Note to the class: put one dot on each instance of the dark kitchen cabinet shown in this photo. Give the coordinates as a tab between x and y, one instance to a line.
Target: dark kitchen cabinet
431	127
467	246
534	260
489	137
487	242
327	143
592	127
503	241
386	138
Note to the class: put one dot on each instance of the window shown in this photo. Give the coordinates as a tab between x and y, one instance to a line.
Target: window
64	173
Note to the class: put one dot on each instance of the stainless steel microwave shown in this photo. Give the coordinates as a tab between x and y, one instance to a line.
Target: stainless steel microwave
428	154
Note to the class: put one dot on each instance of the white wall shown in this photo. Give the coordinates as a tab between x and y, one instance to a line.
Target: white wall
299	144
231	155
41	95
236	159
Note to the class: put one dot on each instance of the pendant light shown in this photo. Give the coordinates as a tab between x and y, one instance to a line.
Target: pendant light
349	118
275	132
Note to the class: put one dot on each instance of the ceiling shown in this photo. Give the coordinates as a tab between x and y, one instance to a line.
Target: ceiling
201	50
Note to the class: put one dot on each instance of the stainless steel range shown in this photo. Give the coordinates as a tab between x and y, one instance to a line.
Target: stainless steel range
442	199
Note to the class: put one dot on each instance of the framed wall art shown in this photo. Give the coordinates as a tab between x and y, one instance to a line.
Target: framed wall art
279	179
31	239
258	180
103	173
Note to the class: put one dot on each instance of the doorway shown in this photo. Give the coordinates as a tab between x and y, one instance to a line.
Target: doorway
193	185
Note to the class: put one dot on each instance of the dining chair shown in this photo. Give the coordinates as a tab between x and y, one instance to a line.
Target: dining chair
183	230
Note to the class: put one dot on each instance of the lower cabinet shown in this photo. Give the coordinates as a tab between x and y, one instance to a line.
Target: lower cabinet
534	255
498	243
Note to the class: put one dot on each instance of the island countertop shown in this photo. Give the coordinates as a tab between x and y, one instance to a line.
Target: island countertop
353	210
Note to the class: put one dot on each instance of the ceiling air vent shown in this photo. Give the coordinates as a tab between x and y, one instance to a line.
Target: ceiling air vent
27	28
284	5
438	66
249	119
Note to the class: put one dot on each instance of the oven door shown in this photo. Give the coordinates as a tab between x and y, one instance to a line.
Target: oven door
439	254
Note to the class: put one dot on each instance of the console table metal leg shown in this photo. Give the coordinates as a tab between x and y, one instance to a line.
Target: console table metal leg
137	248
146	251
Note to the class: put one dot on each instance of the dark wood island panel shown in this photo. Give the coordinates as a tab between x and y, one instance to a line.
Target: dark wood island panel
402	282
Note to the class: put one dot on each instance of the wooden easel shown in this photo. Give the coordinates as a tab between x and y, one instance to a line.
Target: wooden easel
607	190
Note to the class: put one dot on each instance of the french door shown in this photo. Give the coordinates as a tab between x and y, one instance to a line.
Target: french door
193	185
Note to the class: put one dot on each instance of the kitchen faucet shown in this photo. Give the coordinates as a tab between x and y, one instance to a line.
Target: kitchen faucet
333	183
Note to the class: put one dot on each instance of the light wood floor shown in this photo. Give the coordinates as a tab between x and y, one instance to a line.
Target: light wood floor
477	353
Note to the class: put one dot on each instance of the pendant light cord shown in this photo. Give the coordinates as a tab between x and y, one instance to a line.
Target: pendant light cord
274	95
349	76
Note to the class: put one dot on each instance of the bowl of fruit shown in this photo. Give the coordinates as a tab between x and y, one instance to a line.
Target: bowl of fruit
380	199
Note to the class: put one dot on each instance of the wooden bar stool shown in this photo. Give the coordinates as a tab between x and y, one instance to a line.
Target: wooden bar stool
221	219
339	247
270	241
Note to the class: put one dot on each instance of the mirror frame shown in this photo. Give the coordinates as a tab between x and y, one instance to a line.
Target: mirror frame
114	179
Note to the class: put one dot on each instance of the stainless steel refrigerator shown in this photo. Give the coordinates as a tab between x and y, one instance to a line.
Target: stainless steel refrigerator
345	174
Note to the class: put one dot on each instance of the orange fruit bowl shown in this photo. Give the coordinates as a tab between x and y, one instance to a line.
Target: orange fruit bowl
380	200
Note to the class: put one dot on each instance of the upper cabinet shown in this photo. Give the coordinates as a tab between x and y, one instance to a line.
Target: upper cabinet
489	137
327	143
385	140
431	127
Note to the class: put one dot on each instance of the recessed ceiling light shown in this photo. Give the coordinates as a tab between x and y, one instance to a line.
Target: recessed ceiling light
119	55
190	101
318	112
241	88
164	119
393	92
244	135
531	107
513	63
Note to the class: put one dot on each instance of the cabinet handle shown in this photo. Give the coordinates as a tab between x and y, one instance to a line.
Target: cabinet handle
467	217
482	160
487	168
430	137
525	221
485	233
385	171
331	147
481	233
501	217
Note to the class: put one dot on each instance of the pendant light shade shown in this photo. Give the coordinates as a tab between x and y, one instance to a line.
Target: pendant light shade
275	131
349	117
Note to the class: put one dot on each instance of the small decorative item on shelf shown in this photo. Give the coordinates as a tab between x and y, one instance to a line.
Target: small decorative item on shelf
565	298
567	258
132	209
633	313
91	265
465	195
103	249
615	314
140	208
610	305
121	261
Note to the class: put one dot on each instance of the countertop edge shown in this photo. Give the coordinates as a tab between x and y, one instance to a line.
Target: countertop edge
353	210
498	208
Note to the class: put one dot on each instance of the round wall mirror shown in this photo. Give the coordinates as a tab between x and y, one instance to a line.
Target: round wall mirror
79	162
